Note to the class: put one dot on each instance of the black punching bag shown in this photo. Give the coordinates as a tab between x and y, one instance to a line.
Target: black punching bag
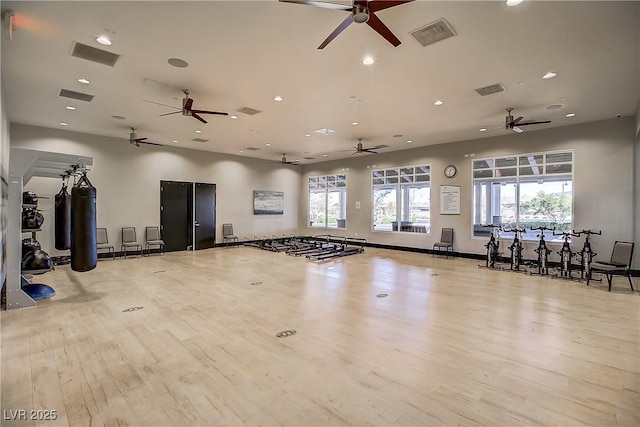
63	219
84	252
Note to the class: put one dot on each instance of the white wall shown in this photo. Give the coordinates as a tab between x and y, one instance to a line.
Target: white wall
4	184
603	182
128	183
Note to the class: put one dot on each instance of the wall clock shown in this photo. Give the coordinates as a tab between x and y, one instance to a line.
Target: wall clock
450	171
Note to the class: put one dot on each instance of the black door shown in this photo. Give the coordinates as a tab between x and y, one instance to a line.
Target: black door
176	214
205	216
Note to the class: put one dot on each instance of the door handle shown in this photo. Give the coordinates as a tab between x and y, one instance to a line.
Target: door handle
197	224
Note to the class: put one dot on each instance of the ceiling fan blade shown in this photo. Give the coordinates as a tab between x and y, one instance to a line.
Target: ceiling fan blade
369	150
209	112
375	5
188	104
139	139
175	112
348	20
196	116
516	129
534	123
164	105
375	23
320	4
516	121
150	143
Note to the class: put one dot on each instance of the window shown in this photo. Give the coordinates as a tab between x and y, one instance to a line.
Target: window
328	201
523	191
402	199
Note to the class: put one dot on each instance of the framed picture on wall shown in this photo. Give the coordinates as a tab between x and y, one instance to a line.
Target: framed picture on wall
268	202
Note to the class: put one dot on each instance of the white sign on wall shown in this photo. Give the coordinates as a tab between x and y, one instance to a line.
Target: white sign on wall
450	200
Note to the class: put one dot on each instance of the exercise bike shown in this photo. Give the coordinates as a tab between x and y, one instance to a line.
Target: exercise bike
493	246
565	255
516	249
543	251
586	254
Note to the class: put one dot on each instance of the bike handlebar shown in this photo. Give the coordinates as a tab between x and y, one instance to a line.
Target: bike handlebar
543	228
587	232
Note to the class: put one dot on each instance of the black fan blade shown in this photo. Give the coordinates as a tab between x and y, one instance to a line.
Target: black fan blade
140	139
164	105
175	112
516	121
195	115
209	112
150	143
534	123
369	150
375	23
320	4
348	20
375	5
188	104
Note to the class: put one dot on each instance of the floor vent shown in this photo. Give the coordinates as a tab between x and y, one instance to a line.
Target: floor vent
93	54
488	90
127	310
75	95
286	333
433	32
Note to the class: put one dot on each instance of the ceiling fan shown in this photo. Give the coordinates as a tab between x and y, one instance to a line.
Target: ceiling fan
187	108
514	124
362	11
360	149
284	161
133	139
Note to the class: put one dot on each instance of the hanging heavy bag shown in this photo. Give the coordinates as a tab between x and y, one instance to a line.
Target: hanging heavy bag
63	219
84	252
31	219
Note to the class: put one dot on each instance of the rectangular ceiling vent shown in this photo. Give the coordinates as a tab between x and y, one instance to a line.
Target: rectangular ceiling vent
433	32
75	95
252	149
488	90
93	54
309	158
248	110
199	140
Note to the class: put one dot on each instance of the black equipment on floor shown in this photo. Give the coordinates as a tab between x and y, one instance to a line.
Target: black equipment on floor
62	214
566	254
493	245
543	251
516	248
29	245
586	253
32	219
84	252
37	262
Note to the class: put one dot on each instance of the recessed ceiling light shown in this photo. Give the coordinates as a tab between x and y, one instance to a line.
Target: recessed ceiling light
483	129
64	124
409	141
368	60
549	75
104	41
571	115
175	141
514	2
355	123
267	144
324	155
233	117
242	151
307	134
438	102
277	98
198	131
84	81
118	117
178	63
69	107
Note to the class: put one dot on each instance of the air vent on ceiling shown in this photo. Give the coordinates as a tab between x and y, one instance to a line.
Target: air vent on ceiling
324	131
248	110
433	32
199	140
252	149
93	54
75	95
309	158
488	90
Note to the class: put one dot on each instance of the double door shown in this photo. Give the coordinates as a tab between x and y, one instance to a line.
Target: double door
187	215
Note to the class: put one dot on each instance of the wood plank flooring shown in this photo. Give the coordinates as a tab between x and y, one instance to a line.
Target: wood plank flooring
450	344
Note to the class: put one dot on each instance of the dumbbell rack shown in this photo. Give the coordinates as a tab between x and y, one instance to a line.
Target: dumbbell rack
25	164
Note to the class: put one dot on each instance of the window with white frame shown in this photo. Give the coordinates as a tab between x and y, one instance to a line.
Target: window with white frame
523	191
328	201
402	199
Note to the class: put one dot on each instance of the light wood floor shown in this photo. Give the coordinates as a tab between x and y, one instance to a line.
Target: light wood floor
451	344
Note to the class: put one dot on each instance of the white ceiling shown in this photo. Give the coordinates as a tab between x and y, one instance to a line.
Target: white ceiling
243	53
